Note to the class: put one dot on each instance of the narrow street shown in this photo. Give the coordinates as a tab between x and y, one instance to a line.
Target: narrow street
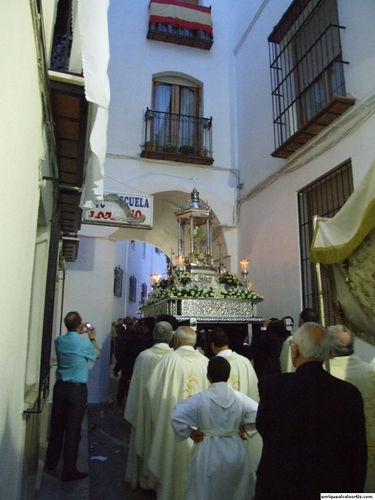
105	434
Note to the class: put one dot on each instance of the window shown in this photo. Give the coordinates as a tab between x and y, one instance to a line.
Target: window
117	283
324	198
178	98
174	129
143	292
306	70
132	289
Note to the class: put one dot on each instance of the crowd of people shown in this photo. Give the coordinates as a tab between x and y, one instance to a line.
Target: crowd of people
284	431
230	424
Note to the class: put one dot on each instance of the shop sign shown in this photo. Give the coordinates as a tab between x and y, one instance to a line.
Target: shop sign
122	210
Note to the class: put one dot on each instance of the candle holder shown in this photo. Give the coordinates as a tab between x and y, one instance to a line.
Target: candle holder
180	261
155	278
244	265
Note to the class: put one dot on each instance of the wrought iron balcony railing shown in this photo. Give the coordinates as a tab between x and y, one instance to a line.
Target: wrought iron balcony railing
175	137
62	39
198	39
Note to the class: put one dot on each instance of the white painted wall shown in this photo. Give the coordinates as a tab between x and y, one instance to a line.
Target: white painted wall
23	147
89	290
358	46
142	261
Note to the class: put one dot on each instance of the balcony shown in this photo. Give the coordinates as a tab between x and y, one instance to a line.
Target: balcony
70	111
179	138
333	110
180	23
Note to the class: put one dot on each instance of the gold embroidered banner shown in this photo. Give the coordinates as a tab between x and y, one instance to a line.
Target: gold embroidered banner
335	239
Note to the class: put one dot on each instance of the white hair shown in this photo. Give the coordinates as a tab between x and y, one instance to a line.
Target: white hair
342	340
162	332
313	341
186	335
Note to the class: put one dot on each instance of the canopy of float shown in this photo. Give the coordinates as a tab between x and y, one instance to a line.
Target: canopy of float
345	245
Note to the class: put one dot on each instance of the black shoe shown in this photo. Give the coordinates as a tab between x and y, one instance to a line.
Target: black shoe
73	476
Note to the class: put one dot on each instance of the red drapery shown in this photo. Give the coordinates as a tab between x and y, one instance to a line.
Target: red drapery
180	15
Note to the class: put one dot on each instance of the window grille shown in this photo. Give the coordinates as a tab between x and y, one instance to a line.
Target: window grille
324	198
306	64
117	282
143	292
132	289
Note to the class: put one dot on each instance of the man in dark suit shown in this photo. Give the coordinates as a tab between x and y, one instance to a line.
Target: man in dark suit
312	425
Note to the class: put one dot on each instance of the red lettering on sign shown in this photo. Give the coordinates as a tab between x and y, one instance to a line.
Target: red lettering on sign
136	213
101	215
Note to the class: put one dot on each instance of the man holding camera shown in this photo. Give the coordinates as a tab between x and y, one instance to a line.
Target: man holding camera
70	395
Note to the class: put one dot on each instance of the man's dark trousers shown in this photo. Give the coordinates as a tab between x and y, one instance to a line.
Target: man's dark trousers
68	411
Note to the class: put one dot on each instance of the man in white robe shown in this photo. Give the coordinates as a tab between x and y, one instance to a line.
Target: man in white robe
136	410
306	315
243	379
178	375
220	467
345	365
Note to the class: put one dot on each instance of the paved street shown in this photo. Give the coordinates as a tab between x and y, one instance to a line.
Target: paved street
108	433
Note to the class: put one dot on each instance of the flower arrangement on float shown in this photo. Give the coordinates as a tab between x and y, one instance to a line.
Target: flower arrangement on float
229	279
182	286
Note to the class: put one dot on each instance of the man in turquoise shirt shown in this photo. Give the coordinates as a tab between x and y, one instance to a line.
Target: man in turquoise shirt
70	395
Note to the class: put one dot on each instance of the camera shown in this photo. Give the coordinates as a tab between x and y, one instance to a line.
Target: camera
88	326
280	325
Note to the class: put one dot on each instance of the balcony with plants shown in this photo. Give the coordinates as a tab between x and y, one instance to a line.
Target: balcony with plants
177	137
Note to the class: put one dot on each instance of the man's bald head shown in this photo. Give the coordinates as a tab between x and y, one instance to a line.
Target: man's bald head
310	343
184	335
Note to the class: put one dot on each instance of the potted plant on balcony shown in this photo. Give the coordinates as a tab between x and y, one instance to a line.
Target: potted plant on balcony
186	150
202	152
170	147
150	146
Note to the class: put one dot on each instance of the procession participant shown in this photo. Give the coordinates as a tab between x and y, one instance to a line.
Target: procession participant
136	410
312	425
219	463
306	315
242	374
177	376
242	378
70	395
344	364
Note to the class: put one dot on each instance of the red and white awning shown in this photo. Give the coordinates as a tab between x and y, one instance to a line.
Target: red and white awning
180	15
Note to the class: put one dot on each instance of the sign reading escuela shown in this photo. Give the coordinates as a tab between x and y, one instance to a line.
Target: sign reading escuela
121	210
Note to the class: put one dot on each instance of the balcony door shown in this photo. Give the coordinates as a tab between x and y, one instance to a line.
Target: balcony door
177	101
